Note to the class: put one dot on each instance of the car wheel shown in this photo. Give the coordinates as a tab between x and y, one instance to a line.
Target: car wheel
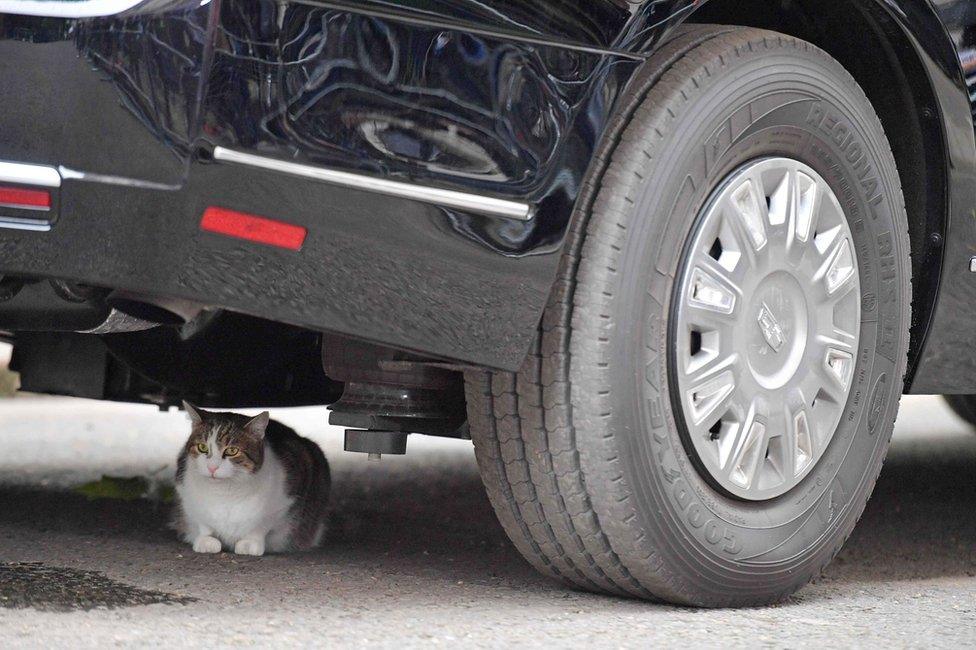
717	373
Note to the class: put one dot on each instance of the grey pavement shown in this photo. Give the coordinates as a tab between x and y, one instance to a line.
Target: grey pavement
414	556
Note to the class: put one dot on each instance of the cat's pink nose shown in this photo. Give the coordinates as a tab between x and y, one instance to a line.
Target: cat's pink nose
213	469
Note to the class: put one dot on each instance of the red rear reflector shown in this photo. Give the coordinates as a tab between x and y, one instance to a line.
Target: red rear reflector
253	228
16	197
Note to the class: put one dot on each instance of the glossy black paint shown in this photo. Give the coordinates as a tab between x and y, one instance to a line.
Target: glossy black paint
946	360
502	98
110	102
356	93
409	103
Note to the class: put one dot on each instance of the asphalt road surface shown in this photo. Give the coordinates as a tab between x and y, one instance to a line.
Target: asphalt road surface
414	556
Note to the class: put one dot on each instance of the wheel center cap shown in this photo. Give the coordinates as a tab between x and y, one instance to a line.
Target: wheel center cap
771	330
776	337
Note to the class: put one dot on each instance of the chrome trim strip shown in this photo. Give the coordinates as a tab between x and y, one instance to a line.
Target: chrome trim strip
67	8
447	198
25	174
12	223
88	177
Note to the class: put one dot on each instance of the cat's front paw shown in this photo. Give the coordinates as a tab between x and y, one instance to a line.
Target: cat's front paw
206	544
249	547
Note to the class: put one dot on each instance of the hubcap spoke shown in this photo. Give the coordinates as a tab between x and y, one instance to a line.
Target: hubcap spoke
768	321
750	212
808	196
708	399
750	451
712	289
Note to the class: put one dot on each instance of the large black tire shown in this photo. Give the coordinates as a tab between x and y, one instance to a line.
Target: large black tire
580	451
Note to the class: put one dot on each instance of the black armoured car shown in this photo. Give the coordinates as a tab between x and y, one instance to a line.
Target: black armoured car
669	264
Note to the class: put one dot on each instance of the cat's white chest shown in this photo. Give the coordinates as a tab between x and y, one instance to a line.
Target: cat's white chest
235	509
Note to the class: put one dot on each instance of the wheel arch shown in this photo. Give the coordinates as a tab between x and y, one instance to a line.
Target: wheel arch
905	97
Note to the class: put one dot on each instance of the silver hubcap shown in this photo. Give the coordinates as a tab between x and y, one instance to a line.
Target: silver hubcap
768	316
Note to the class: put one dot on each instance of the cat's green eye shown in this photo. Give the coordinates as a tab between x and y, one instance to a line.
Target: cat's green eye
202	447
231	451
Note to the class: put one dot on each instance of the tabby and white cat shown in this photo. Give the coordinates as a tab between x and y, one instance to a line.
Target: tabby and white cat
249	484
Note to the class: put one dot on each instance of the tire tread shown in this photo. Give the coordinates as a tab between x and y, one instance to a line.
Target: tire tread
524	424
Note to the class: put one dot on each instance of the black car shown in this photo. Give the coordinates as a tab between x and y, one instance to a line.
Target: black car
669	264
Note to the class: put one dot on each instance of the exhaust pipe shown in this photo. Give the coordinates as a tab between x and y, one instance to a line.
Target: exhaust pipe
156	309
65	306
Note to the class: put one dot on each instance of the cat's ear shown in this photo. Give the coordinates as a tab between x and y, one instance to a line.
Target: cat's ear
195	416
257	425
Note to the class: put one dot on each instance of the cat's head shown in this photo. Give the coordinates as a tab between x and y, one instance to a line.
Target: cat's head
224	446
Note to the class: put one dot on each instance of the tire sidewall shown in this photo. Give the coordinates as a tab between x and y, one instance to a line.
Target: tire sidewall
823	120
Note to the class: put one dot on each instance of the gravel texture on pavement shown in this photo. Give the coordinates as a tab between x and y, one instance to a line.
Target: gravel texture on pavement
414	556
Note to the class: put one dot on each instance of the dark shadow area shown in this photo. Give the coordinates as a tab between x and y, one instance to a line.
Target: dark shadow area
436	525
437	528
61	589
921	520
59	511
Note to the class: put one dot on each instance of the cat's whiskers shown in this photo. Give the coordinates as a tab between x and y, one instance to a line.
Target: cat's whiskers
272	494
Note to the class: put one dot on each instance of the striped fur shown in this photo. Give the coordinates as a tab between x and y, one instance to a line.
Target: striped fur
271	494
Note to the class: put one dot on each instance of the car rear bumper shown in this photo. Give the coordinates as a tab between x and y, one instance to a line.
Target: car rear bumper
452	258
